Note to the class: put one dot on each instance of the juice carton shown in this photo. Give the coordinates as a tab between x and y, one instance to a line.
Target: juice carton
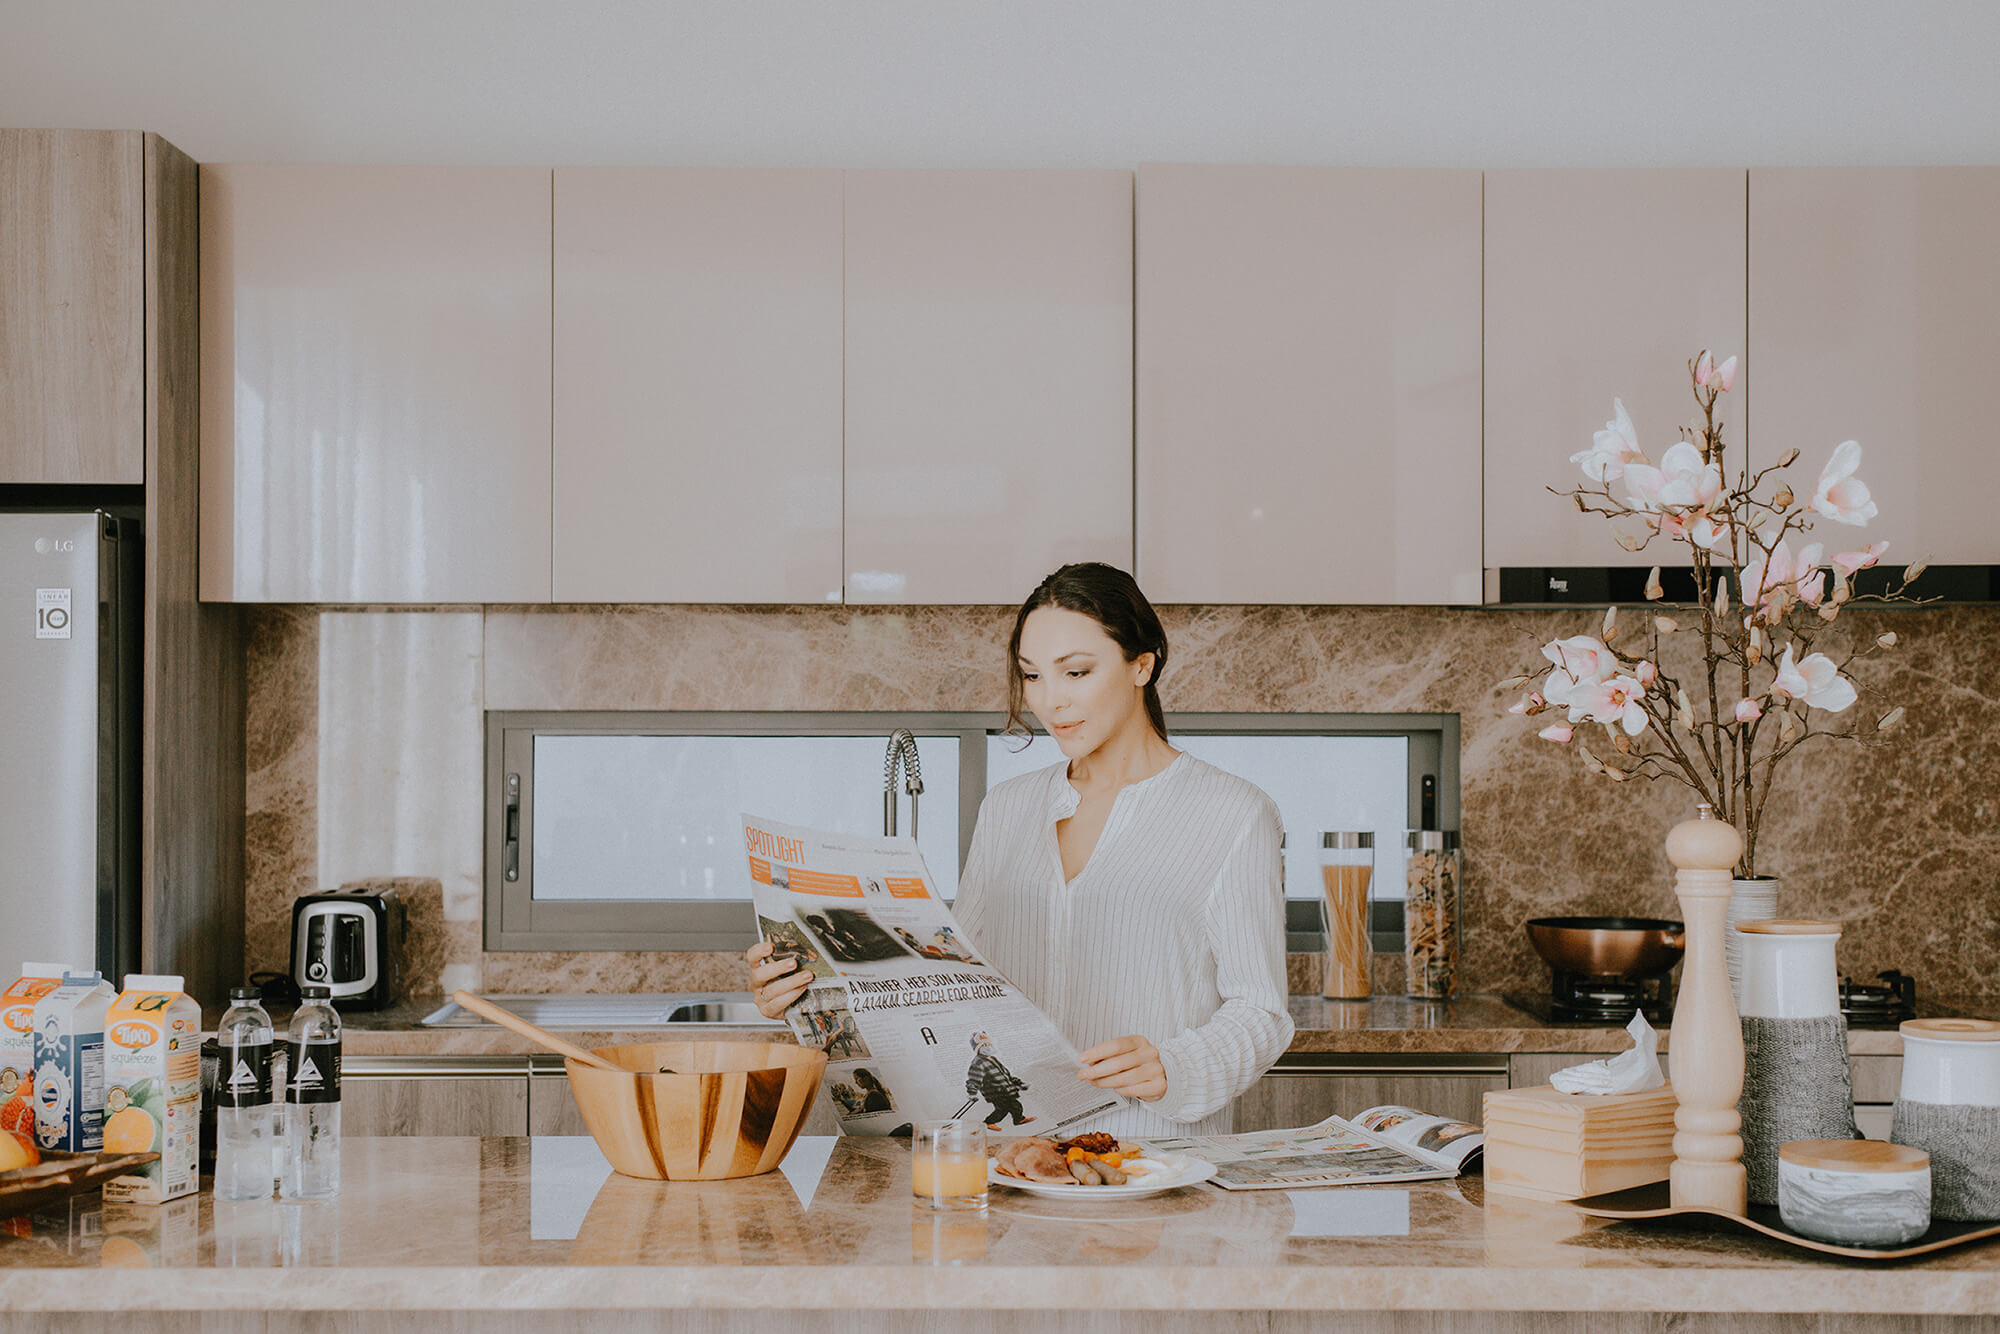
69	1063
17	1044
152	1088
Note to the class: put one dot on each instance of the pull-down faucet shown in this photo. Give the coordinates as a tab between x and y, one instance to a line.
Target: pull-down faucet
902	747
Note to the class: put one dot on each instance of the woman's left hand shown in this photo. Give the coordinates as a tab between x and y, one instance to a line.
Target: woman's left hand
1128	1065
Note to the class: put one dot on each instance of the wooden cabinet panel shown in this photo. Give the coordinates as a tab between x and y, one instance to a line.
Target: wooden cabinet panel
989	374
1875	316
1600	284
1281	1100
1876	1078
375	384
697	385
72	306
552	1109
1308	385
431	1105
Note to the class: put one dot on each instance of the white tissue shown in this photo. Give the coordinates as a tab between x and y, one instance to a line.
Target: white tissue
1632	1071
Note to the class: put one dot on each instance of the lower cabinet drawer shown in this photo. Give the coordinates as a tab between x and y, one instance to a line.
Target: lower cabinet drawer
1297	1094
463	1096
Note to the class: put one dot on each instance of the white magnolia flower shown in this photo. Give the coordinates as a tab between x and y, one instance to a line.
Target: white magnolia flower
1840	495
1615	701
1682	482
1815	681
1612	448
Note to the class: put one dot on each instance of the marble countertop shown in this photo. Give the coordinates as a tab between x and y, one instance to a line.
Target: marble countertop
541	1224
1387	1024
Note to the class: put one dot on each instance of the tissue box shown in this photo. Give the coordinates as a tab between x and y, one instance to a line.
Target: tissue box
1561	1146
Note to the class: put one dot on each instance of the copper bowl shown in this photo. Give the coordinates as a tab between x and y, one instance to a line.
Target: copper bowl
1628	948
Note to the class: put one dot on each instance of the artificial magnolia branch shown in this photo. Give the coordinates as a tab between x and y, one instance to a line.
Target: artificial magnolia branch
1764	689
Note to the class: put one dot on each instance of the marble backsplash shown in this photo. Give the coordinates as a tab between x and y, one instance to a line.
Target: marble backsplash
365	751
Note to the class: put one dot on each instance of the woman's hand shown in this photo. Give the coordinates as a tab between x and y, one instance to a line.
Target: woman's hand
1128	1065
775	985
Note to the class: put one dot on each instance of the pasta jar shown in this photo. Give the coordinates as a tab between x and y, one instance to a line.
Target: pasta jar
1431	924
1949	1106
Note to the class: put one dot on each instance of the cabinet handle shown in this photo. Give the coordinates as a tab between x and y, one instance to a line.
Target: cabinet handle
510	852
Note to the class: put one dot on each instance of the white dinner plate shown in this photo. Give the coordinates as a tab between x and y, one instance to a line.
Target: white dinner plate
1173	1172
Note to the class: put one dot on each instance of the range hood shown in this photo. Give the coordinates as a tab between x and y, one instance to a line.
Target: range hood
1602	585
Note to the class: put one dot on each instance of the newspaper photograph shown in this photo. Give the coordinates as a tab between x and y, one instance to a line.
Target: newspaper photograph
916	1026
1383	1144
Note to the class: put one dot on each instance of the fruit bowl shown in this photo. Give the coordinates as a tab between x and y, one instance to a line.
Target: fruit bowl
60	1174
697	1111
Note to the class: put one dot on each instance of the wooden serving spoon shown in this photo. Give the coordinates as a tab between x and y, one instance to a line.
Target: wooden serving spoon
486	1009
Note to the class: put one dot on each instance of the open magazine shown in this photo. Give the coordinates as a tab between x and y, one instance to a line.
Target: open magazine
1380	1145
916	1025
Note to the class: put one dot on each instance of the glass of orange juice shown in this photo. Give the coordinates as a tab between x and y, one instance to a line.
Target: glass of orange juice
948	1165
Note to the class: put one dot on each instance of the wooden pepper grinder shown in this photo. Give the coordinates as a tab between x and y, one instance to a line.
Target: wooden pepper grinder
1707	1037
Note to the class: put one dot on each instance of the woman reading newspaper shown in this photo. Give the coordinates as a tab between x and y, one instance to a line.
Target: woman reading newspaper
1132	892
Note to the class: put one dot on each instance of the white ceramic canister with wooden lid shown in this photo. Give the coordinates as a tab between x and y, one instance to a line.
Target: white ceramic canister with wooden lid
1854	1192
1949	1106
1788	968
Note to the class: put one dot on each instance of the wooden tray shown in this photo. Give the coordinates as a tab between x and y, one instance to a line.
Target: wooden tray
60	1174
1656	1201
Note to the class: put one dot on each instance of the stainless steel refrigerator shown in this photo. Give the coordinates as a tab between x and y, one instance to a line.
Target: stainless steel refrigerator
69	740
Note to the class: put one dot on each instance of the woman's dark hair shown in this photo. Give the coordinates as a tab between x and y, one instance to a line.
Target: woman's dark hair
1110	597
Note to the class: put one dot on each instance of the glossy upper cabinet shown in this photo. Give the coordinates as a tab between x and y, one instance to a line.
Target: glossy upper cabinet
375	384
697	385
1308	385
72	307
1600	284
1875	317
989	380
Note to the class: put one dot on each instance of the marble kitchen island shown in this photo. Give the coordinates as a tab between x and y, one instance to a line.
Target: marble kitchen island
508	1234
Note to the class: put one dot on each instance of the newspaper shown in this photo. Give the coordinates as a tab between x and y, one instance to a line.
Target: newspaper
1382	1144
916	1025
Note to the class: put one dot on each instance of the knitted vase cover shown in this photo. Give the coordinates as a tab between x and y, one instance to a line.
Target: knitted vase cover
1796	1085
1964	1145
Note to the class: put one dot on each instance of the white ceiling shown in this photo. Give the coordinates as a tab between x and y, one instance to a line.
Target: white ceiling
1019	82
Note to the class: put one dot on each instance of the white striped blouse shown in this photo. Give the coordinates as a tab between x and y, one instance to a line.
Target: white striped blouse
1174	929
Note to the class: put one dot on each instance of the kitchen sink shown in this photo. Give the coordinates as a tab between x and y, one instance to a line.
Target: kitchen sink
600	1012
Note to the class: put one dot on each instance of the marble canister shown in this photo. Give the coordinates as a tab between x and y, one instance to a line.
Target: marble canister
1796	1081
1949	1106
1855	1192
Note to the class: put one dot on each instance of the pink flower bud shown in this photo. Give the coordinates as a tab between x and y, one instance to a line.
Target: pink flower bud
1557	732
1647	673
1748	710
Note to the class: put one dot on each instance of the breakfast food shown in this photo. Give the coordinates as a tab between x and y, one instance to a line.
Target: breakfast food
1094	1159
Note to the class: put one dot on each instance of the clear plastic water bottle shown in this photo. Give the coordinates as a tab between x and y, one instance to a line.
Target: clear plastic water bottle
312	1099
244	1114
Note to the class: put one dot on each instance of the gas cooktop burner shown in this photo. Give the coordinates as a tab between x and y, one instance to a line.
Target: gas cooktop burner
1891	1003
1574	998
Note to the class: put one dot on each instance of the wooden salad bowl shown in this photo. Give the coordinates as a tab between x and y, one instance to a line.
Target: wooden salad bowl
697	1111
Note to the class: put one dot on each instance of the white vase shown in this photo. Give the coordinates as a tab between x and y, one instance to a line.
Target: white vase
1796	1081
1749	900
1949	1106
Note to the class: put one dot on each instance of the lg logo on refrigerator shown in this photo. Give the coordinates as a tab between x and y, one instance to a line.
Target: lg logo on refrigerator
52	613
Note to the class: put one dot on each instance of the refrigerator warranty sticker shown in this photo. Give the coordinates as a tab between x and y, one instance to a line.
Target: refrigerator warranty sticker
52	613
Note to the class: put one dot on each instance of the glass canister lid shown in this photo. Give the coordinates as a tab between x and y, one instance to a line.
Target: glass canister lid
1951	1030
1361	838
